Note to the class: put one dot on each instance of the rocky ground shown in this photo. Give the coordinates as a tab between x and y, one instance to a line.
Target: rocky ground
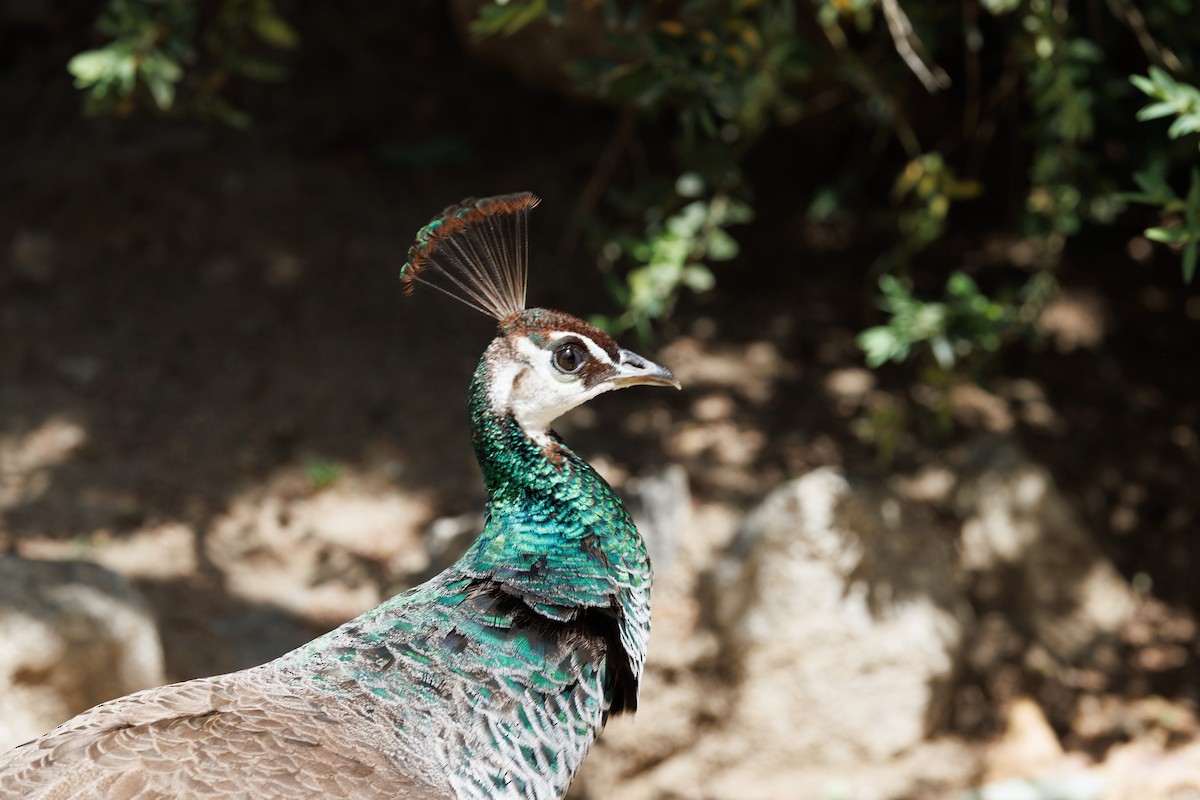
212	387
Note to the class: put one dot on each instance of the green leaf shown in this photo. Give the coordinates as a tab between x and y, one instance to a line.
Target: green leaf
163	91
690	185
507	18
698	278
737	213
689	220
1191	208
233	117
323	474
1190	253
1188	123
1166	235
1084	50
259	69
125	73
1162	79
90	66
880	345
721	246
826	202
1144	84
998	7
160	74
961	285
1157	111
1150	181
275	31
943	352
162	66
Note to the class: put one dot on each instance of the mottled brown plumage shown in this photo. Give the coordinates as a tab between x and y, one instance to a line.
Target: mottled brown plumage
250	735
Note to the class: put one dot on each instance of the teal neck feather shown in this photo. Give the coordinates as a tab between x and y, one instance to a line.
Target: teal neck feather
557	535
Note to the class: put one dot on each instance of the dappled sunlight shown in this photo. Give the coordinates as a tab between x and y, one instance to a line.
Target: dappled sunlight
156	552
1074	320
26	458
749	371
974	563
320	552
317	551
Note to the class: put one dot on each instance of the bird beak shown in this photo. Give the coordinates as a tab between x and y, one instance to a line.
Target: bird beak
633	370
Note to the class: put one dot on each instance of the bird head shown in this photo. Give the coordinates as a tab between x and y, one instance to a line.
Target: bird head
544	363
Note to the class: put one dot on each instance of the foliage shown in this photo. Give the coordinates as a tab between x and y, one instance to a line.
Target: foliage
727	71
149	44
1183	212
720	70
672	255
1060	70
1181	101
1174	99
923	191
1041	109
155	45
323	474
509	17
722	66
965	322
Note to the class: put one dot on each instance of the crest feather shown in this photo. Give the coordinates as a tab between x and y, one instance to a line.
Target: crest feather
476	251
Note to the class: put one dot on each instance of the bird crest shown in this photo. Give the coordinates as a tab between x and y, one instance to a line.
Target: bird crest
476	251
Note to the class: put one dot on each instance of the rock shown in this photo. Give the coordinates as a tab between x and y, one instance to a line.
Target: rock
447	538
1076	785
842	621
932	769
1147	771
1138	770
1023	543
812	652
661	505
157	552
315	553
1028	747
683	692
72	634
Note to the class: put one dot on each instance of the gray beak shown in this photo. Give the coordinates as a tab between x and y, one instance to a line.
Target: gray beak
633	370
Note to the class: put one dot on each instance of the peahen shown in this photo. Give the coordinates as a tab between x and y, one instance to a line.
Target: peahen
492	679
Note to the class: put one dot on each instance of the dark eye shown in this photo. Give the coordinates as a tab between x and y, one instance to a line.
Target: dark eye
569	357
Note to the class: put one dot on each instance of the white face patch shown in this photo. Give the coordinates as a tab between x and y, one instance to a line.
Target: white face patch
536	391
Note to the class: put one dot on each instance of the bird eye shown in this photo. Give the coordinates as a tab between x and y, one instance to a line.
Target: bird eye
569	357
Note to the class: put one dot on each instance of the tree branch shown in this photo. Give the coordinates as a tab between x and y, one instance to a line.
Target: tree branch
907	44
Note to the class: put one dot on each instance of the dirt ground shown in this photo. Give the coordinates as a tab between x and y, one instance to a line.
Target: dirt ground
204	348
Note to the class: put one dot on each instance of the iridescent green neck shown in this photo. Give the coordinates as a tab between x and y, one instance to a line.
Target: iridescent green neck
519	472
504	452
557	535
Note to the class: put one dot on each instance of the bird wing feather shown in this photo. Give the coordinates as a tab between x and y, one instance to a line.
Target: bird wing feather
228	738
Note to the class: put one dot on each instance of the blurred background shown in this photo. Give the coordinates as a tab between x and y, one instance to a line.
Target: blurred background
924	518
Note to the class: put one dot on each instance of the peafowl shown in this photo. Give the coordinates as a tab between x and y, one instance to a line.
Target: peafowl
492	679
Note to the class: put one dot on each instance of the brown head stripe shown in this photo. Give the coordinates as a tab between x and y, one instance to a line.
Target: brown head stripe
542	321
